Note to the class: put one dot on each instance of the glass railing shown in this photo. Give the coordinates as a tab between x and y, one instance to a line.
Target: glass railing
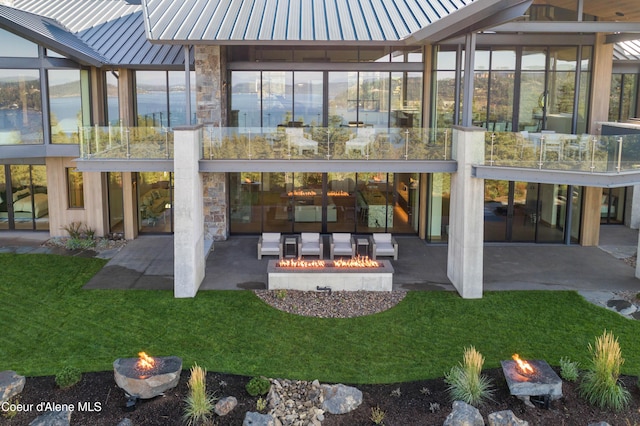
558	151
325	143
111	142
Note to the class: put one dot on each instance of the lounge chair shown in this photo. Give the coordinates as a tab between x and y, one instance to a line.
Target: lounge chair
270	244
384	245
310	244
341	244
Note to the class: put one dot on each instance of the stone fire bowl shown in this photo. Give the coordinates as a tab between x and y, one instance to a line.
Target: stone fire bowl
146	384
544	382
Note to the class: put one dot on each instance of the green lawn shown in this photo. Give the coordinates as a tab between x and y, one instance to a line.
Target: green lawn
48	321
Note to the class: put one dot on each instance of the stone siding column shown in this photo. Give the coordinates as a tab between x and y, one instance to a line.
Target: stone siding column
211	99
188	245
466	219
215	206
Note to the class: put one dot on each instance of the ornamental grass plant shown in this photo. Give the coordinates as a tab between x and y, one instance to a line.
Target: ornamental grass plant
465	383
600	385
199	404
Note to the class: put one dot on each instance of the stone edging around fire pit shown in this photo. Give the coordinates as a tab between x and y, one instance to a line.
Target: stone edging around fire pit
337	304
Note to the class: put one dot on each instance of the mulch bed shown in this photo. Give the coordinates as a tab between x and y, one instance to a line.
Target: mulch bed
414	403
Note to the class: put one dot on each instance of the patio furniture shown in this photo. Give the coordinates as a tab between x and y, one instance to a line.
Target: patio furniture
310	244
270	244
297	138
364	136
384	245
341	244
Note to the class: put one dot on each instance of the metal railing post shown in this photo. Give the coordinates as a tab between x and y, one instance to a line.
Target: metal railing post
127	142
406	144
446	141
541	152
493	139
593	155
618	167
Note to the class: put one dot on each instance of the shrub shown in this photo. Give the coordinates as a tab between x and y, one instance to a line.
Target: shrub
569	369
377	416
465	382
600	385
258	386
261	404
74	229
68	376
199	404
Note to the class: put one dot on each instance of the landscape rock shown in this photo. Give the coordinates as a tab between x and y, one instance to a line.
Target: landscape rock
225	405
505	418
53	418
340	399
11	384
464	414
125	422
599	424
258	419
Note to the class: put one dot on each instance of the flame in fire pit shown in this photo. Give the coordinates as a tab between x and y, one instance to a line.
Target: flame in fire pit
299	263
145	362
523	366
358	262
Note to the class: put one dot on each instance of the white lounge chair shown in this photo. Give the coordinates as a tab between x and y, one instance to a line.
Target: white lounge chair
297	138
341	244
310	244
384	245
360	142
270	244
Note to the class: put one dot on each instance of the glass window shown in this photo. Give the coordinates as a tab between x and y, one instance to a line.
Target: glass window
377	54
373	107
155	201
75	188
446	60
13	46
533	59
151	98
406	55
503	60
439	194
482	59
343	98
307	97
277	100
20	107
53	54
65	105
116	202
113	105
245	99
532	101
445	89
310	54
178	100
4	199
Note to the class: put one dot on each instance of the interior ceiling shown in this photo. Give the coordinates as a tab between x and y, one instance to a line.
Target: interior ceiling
605	10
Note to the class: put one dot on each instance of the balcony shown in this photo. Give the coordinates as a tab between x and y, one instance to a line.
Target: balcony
129	143
563	158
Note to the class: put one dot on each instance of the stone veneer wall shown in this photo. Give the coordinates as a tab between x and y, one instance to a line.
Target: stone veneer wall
215	206
211	104
211	85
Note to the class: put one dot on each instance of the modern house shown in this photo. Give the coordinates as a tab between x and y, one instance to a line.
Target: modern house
459	121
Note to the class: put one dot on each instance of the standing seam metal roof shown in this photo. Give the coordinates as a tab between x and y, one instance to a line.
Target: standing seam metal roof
227	21
112	29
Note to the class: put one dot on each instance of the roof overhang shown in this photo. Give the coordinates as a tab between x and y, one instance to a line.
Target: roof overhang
50	34
477	16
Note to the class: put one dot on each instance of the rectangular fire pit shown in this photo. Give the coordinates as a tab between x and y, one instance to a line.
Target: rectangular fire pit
378	278
541	381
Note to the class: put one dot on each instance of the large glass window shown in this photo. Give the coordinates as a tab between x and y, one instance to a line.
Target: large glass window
116	202
624	97
65	105
25	204
324	202
161	99
439	193
277	100
155	201
20	107
13	46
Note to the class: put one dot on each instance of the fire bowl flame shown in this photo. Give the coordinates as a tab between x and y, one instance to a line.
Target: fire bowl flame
541	380
147	377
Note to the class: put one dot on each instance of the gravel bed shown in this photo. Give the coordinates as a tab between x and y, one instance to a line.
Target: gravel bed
338	304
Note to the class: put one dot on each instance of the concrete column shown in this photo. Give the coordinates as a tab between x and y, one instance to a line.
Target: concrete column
634	216
466	219
188	238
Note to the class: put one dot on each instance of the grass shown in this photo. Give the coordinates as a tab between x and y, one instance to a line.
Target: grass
466	382
49	321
